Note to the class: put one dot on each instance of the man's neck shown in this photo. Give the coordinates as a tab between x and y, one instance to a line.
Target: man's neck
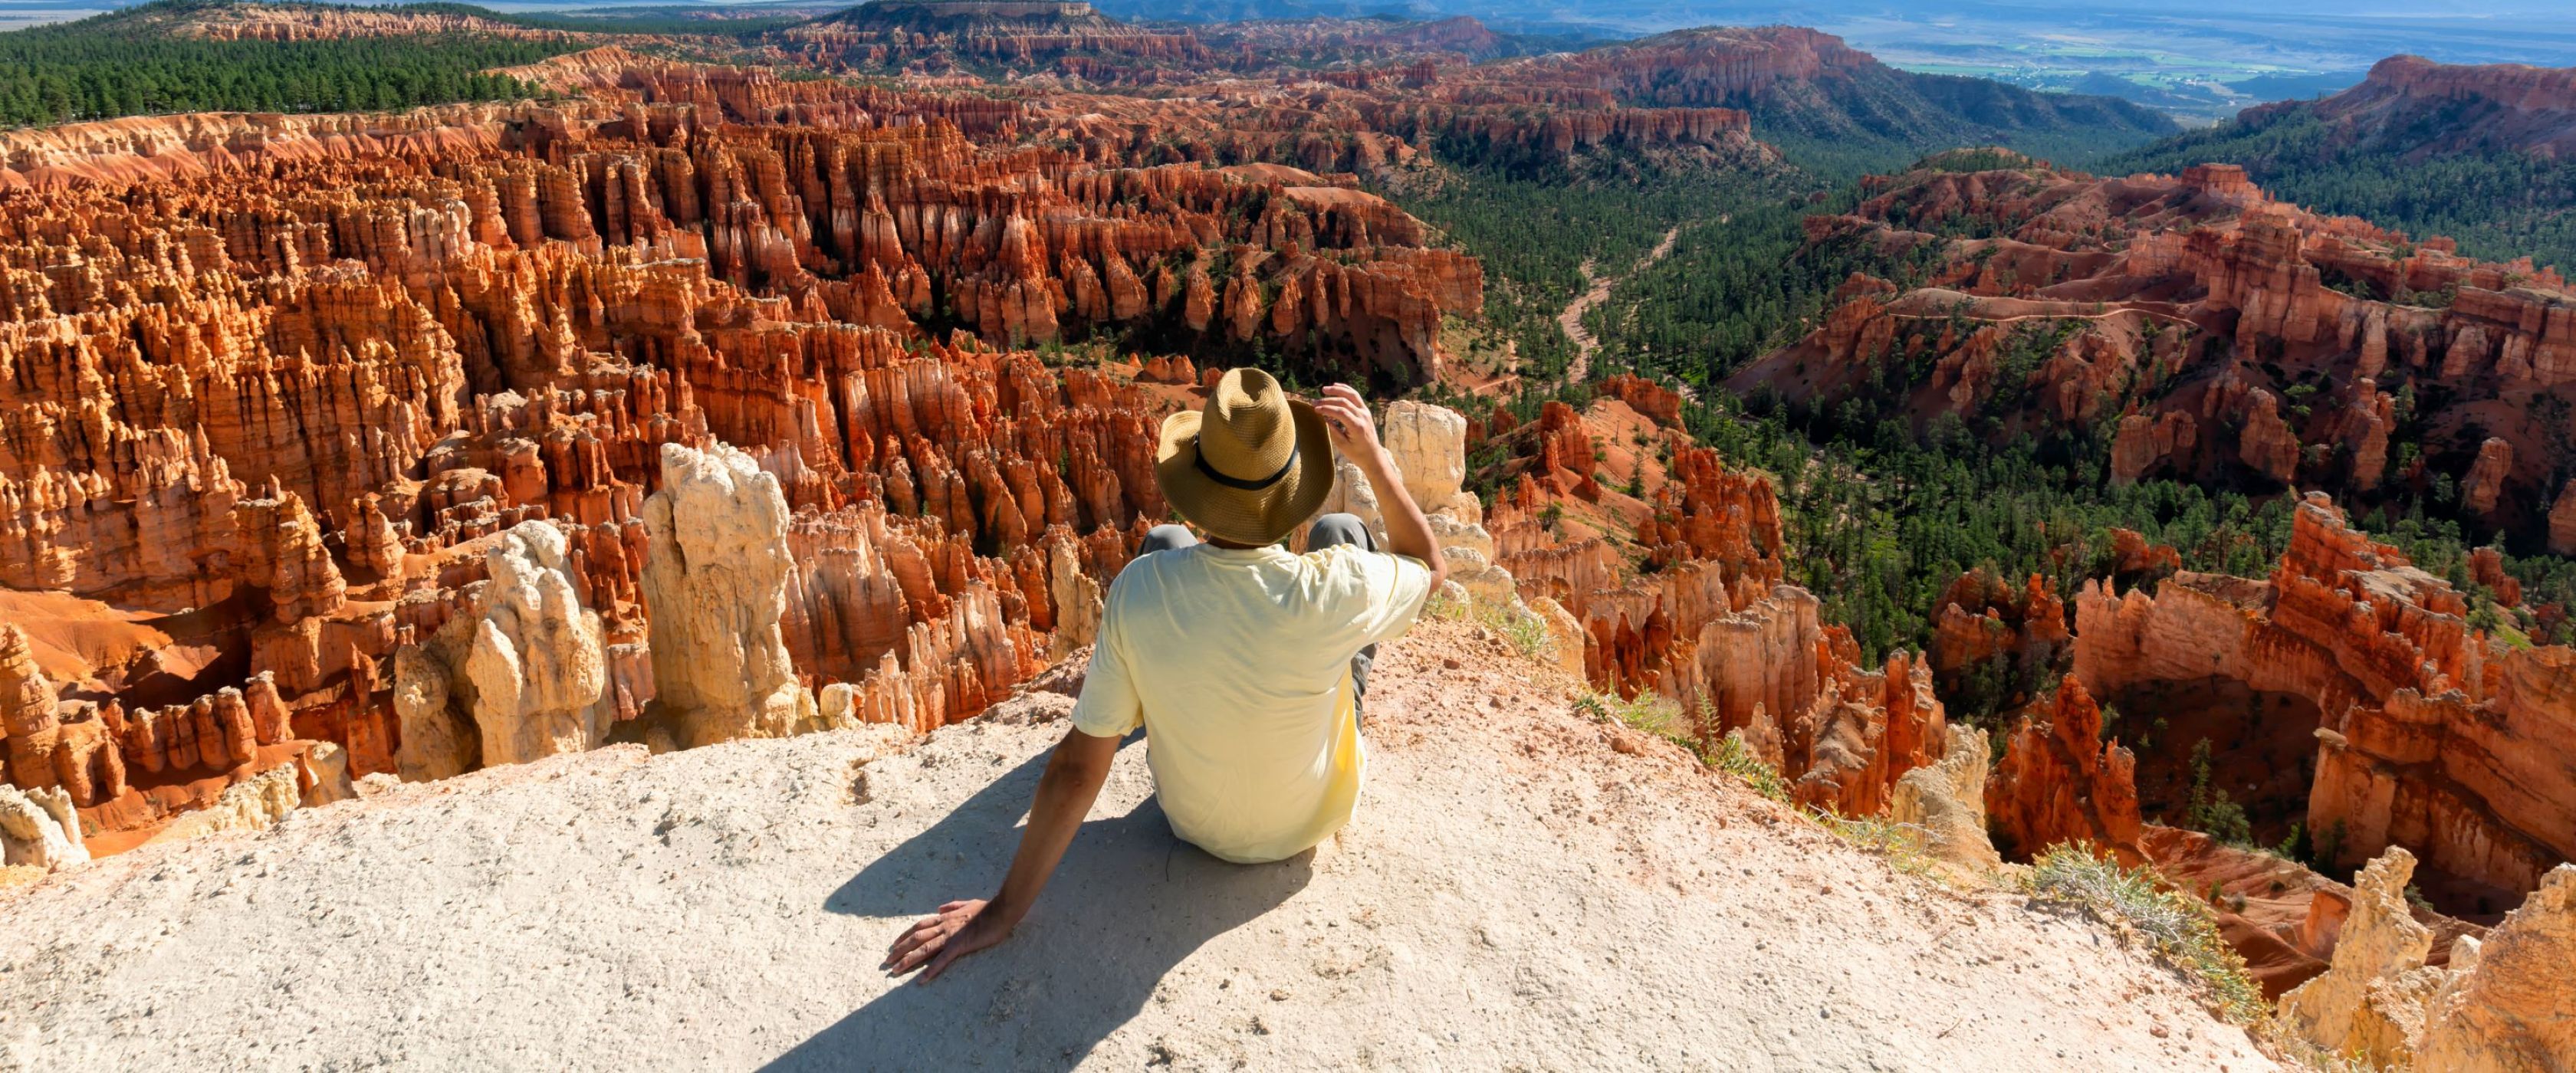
1224	543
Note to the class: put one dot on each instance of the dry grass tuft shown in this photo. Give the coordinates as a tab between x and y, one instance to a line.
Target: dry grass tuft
2177	926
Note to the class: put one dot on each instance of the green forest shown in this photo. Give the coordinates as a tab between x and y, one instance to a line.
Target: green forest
120	64
1881	516
1535	233
127	62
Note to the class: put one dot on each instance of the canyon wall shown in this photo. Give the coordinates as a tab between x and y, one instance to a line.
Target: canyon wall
2445	740
381	423
2500	1003
1704	620
2225	338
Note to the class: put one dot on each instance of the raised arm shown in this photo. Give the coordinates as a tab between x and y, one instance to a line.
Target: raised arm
1354	432
1065	793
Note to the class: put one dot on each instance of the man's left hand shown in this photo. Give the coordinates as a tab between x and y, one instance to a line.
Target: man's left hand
959	929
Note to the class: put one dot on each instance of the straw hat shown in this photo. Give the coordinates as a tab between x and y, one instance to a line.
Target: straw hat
1248	467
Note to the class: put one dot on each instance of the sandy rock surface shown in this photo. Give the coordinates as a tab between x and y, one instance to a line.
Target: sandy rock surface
1525	889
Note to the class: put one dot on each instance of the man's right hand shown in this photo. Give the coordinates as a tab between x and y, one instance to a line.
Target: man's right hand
1353	429
1354	433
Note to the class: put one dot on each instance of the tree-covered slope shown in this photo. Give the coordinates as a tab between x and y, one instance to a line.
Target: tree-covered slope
149	59
2480	154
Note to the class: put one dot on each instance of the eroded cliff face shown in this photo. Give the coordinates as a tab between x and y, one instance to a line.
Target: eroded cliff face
2431	735
2226	337
2507	105
300	419
1704	619
2061	780
2500	1003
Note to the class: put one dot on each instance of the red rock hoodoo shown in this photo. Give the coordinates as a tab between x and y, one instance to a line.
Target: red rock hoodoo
284	417
2227	337
2430	734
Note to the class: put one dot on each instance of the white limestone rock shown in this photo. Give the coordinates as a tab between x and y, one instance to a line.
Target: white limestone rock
2507	1006
518	679
1429	444
2377	983
715	582
1948	801
40	828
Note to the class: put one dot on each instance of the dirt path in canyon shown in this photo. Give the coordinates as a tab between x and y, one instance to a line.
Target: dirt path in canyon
1572	318
1524	888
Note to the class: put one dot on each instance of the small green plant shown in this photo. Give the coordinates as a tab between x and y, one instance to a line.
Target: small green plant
2291	847
1734	757
1441	605
1523	630
1646	712
1901	843
2179	928
2326	848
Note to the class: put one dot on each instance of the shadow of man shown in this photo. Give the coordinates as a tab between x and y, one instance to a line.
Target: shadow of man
1128	903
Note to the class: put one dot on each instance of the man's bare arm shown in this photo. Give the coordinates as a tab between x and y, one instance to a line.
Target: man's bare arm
1354	432
1072	781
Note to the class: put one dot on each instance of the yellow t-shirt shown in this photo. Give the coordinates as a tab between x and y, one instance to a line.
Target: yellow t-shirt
1238	663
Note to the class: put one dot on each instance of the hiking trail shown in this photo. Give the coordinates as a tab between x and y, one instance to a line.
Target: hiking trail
1571	319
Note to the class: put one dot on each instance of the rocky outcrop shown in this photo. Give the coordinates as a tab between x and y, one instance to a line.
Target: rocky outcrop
27	712
715	576
2432	736
2484	484
1429	445
39	829
2515	107
2373	994
253	804
1712	629
1992	635
2506	1006
2176	308
900	32
1948	801
518	678
2060	782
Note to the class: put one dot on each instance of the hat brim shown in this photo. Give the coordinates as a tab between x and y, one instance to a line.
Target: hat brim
1242	516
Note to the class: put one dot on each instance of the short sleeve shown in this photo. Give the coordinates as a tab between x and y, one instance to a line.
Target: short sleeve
1395	586
1109	706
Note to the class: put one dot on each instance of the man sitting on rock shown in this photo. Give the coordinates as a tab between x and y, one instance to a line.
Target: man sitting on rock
1240	659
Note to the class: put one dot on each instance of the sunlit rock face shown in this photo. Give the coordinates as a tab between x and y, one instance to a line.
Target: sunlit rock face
1702	618
294	390
2433	736
2222	335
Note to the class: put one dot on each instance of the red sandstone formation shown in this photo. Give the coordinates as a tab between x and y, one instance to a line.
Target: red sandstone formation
292	410
2059	781
261	22
2217	329
2511	106
2486	567
1992	629
1708	624
2281	917
899	32
2135	562
2432	736
1324	94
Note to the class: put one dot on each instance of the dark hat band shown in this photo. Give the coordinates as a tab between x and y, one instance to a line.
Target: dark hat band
1199	459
